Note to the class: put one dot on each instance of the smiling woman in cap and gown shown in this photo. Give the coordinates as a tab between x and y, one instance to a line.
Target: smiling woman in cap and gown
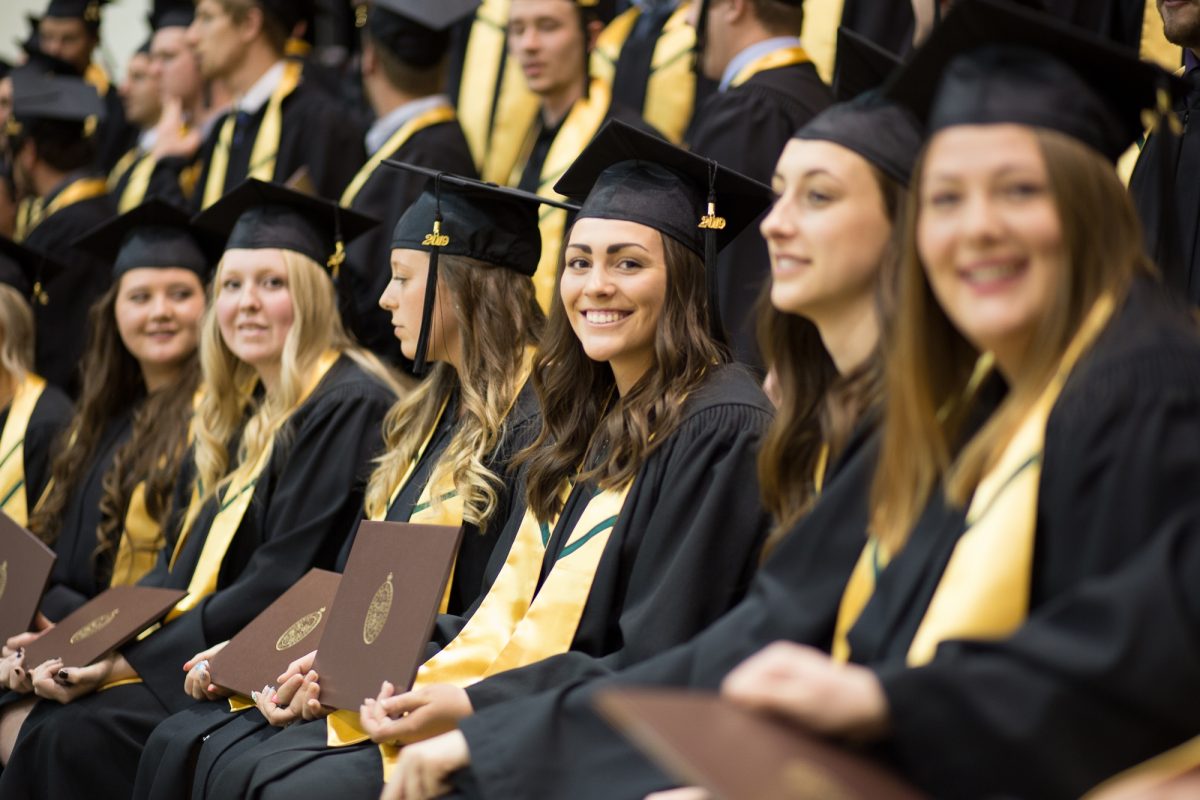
287	424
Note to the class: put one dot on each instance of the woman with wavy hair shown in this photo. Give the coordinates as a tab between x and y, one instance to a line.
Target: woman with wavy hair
641	521
1023	248
449	442
286	426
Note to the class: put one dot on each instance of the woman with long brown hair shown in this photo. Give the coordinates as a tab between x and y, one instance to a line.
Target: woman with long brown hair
1024	249
832	237
627	542
285	428
449	442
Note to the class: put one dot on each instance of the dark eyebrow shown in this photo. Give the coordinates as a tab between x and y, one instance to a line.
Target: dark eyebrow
587	248
616	248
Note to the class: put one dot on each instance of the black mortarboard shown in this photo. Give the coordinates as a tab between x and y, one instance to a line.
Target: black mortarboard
53	98
882	132
172	14
256	215
86	10
154	234
19	266
630	175
992	62
416	31
459	216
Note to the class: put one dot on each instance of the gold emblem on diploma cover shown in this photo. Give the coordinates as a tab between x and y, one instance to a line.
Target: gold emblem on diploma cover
299	630
94	627
377	612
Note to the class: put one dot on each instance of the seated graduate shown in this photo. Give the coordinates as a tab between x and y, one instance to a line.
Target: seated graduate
643	522
452	438
1024	245
288	420
832	237
34	412
109	488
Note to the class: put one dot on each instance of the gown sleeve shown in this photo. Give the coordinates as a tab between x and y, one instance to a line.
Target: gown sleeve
316	496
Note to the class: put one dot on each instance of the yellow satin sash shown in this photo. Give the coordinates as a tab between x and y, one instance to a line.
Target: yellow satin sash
433	116
140	542
234	503
13	499
783	57
495	109
122	166
517	623
671	84
98	78
984	591
580	125
35	212
266	142
819	33
138	184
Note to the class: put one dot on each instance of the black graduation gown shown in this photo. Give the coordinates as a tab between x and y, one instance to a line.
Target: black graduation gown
62	324
1171	238
188	746
1122	456
74	579
386	195
673	563
115	135
745	128
531	173
306	498
50	416
316	134
164	182
794	596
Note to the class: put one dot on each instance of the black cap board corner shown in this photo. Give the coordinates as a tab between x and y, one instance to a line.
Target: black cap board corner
461	216
38	96
999	62
884	133
257	215
26	269
86	10
155	233
628	174
172	14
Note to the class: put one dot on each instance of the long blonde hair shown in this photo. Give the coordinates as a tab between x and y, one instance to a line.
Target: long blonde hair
16	334
498	318
229	382
930	364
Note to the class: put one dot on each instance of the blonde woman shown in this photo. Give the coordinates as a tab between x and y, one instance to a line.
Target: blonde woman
449	442
288	425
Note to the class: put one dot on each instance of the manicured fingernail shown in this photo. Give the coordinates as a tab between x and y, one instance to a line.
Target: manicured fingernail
275	699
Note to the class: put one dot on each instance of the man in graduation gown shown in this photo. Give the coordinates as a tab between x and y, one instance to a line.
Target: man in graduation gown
403	61
768	89
70	30
141	96
550	40
1163	184
279	123
50	137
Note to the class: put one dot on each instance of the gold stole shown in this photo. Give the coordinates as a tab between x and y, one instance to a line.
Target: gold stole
234	503
98	78
671	84
140	541
12	448
819	33
517	623
139	167
266	142
433	116
984	591
776	59
33	211
495	110
580	125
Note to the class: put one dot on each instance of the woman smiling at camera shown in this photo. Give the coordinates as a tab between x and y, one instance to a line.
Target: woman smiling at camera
642	521
1024	246
288	421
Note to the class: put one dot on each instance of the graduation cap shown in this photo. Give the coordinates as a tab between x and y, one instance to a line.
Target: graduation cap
627	174
882	132
154	234
460	216
86	10
256	215
53	98
171	14
416	31
991	62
